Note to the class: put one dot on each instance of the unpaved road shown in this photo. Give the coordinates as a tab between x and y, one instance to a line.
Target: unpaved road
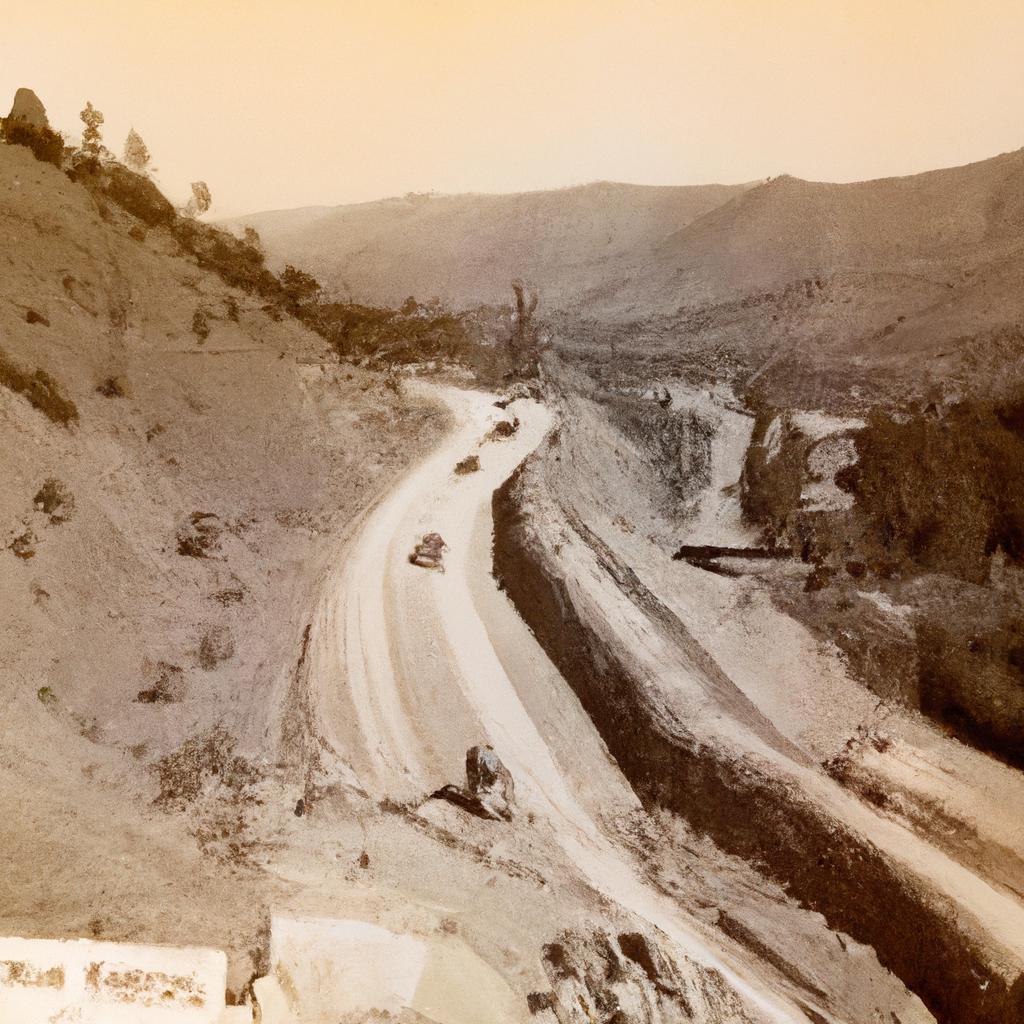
421	654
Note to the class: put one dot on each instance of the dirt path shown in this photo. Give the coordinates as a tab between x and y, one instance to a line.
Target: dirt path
426	679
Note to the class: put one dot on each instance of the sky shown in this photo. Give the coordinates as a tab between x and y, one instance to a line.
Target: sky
285	103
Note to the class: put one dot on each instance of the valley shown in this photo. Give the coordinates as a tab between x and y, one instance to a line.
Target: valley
593	605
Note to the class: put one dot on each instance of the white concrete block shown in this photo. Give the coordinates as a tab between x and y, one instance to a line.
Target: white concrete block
52	981
328	968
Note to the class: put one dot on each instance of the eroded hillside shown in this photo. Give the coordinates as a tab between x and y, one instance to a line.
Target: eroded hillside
717	705
180	466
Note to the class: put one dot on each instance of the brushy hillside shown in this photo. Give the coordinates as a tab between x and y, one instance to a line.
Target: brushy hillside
180	462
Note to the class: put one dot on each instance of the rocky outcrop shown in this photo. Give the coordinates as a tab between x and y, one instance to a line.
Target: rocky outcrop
489	791
629	979
28	109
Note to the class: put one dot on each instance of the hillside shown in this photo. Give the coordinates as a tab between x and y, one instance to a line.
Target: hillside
918	275
178	467
925	225
466	249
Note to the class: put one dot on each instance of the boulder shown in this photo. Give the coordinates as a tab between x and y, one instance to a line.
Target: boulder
489	791
429	552
504	429
28	109
489	781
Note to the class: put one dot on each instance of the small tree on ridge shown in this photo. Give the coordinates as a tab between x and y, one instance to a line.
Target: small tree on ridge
201	199
136	154
92	141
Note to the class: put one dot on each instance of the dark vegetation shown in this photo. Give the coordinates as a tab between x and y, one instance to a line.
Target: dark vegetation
937	520
24	545
55	499
166	687
201	325
46	145
199	537
206	760
41	391
216	646
415	333
113	387
959	499
493	343
936	489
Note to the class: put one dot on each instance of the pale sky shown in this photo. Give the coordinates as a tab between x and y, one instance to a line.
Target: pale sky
282	103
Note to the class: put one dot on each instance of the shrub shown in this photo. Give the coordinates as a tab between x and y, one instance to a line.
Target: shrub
24	545
45	143
200	536
166	688
300	289
393	337
113	387
55	499
206	760
216	646
200	325
233	260
41	391
138	196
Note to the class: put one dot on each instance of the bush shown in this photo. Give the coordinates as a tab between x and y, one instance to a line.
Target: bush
113	387
206	760
216	646
200	536
41	391
55	499
200	325
45	143
138	195
392	337
236	263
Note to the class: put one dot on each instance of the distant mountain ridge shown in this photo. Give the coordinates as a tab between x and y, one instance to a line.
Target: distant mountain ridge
622	250
914	274
465	249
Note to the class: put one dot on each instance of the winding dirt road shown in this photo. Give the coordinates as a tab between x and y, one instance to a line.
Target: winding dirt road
436	662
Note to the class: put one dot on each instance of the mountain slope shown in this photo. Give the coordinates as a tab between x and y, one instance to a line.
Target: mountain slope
466	249
930	224
177	465
621	251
